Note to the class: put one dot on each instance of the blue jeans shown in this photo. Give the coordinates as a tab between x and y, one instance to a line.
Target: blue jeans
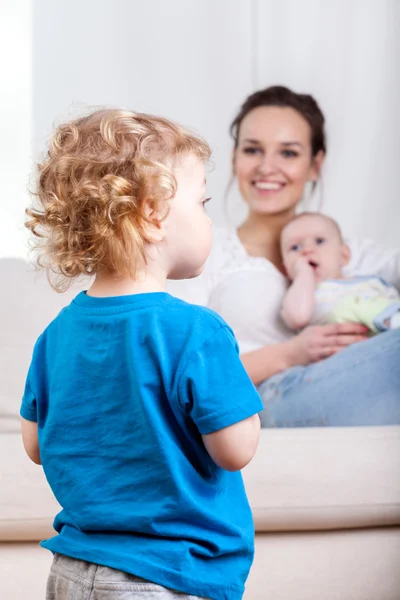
359	386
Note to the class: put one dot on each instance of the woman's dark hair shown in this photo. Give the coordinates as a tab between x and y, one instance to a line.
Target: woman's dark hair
282	96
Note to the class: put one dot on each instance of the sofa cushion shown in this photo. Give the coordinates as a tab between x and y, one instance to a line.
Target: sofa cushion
325	478
354	564
27	506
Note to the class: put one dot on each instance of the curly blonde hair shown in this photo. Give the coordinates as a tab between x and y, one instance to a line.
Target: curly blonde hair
99	175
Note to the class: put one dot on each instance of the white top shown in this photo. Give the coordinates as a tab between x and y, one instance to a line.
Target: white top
248	291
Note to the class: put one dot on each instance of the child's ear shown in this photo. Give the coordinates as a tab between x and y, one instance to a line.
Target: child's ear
346	255
154	225
155	232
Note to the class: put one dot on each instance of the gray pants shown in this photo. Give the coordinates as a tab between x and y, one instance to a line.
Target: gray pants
72	579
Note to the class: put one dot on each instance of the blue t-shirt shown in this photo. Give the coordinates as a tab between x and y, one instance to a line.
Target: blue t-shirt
122	389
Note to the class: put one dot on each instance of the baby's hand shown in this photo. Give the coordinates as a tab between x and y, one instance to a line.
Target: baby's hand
302	266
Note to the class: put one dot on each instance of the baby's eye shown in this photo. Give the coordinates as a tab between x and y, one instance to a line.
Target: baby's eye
295	248
205	201
320	241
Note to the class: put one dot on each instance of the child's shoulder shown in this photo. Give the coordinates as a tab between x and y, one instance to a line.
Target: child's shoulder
175	320
187	328
193	315
45	339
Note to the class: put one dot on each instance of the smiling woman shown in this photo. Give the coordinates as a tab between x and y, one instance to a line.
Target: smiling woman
279	148
273	160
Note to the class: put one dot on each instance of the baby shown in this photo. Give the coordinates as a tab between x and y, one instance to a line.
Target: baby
314	255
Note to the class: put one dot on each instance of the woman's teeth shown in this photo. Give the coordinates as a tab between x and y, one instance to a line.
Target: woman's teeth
264	185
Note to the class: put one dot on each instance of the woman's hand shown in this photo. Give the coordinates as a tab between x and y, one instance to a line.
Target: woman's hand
321	341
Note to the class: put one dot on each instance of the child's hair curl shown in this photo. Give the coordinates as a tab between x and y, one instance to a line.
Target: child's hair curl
101	174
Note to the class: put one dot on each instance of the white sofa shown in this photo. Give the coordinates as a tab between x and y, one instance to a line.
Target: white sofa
326	502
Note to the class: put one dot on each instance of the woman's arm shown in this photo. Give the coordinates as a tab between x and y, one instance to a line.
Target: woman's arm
267	361
311	345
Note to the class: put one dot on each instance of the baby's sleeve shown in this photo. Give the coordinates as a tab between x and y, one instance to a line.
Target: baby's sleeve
214	388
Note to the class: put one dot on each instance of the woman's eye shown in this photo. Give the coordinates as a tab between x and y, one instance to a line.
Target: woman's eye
251	150
295	248
289	153
320	241
205	201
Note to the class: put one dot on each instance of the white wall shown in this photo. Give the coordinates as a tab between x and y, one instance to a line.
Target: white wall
195	61
190	60
347	54
16	119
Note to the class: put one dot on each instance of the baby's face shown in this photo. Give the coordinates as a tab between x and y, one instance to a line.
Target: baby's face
316	240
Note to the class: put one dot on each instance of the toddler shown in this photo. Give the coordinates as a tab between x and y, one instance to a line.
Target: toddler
136	404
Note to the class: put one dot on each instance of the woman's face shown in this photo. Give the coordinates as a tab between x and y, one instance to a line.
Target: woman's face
273	160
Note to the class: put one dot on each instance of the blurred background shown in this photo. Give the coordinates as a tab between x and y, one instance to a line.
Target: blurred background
195	61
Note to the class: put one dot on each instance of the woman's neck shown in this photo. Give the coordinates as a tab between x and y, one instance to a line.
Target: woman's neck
260	236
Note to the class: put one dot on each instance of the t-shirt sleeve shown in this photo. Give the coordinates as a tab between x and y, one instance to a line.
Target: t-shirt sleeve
28	406
214	388
370	258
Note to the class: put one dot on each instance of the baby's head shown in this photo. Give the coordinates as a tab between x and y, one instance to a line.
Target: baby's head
114	183
317	239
